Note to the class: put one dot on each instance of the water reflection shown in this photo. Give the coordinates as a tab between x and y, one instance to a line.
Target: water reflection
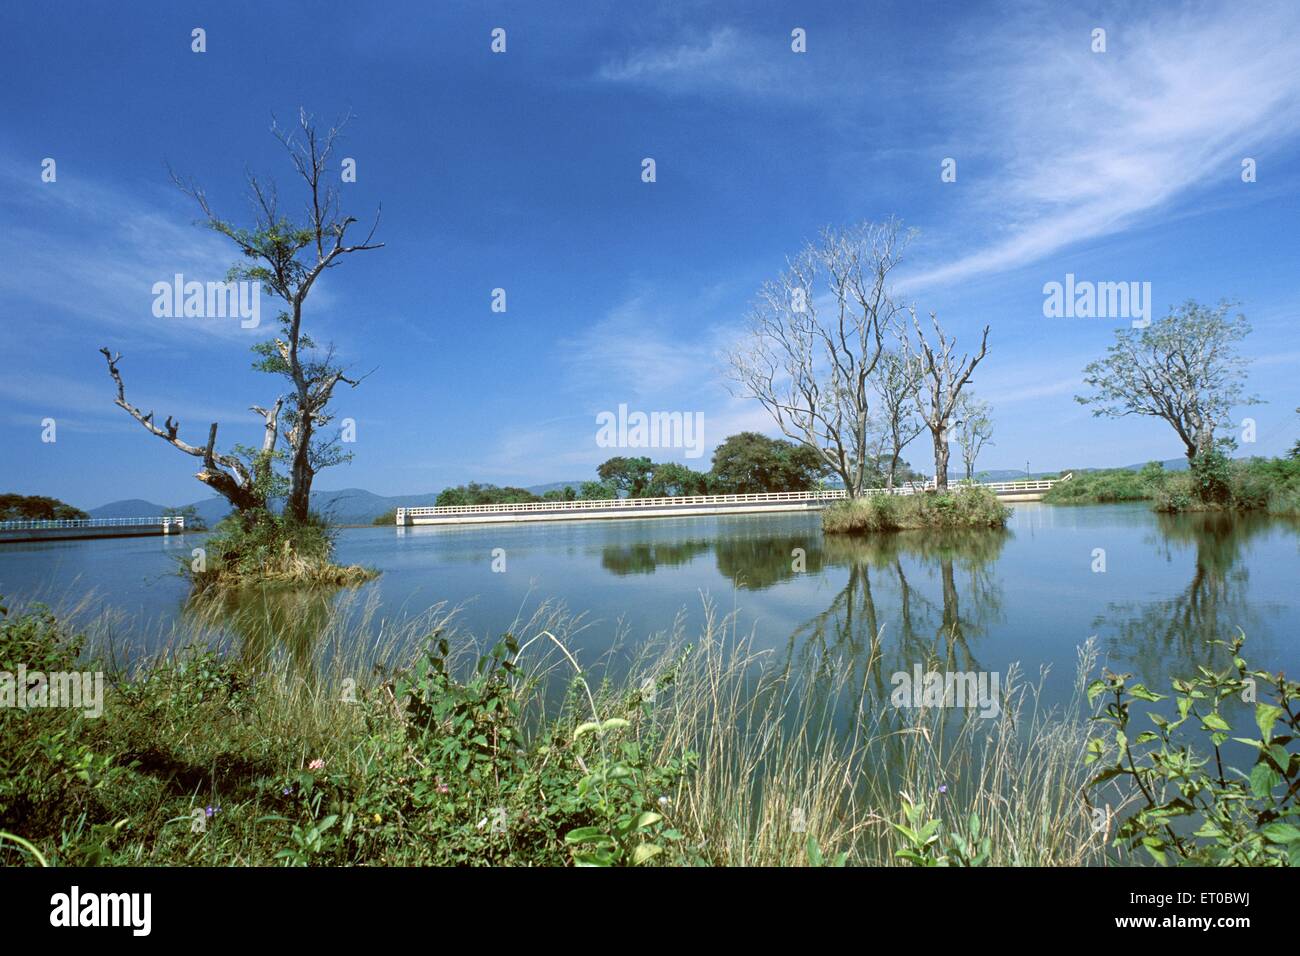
851	609
1156	638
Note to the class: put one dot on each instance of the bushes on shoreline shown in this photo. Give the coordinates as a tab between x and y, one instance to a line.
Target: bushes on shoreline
1107	486
1214	482
966	506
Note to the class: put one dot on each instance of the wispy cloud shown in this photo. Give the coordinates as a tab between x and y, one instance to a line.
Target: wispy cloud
1082	145
722	58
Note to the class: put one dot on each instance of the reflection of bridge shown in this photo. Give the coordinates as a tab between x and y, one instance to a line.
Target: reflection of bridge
676	507
88	528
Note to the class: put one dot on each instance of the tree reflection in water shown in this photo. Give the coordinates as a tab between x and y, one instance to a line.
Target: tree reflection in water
1170	635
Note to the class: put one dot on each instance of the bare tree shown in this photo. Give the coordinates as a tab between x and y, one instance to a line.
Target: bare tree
810	367
1182	369
898	376
287	258
974	430
941	385
241	482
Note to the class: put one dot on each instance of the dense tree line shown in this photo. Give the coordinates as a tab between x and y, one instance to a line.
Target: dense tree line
747	463
15	507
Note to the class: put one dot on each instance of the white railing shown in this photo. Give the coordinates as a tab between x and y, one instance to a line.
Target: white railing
605	504
612	504
167	522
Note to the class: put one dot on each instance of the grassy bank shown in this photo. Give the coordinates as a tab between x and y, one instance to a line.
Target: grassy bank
1105	486
452	755
1215	483
959	508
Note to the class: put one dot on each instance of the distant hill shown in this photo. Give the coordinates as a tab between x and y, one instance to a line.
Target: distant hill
346	506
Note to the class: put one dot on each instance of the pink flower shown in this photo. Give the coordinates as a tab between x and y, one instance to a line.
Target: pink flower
317	764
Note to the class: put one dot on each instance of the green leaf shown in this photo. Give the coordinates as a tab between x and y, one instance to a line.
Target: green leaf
814	851
1263	778
588	835
1214	722
645	851
1280	833
1266	716
1095	688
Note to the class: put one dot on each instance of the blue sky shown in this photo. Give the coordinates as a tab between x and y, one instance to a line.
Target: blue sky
522	171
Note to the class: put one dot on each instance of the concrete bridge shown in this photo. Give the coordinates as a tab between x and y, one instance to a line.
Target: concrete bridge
677	507
89	528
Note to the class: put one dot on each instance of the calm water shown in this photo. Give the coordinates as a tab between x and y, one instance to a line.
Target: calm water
980	601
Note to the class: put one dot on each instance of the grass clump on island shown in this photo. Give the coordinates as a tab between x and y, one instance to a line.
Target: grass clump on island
967	506
261	547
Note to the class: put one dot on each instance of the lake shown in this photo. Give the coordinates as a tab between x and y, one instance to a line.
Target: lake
980	601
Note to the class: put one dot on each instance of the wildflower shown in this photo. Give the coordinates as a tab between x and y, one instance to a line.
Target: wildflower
211	811
664	802
287	790
378	819
943	788
317	764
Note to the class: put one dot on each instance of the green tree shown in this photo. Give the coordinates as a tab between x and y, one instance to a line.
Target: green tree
597	491
750	463
15	507
1183	369
476	494
670	479
629	476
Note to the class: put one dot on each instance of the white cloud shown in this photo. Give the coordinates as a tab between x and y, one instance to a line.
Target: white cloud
1083	144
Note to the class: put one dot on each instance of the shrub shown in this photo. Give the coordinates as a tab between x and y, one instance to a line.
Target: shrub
1191	809
1212	476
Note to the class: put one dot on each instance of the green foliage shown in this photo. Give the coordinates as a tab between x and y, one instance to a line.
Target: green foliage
1219	483
1212	477
261	546
750	463
15	507
927	844
967	506
47	768
475	494
630	477
597	491
1108	485
1183	369
1195	806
